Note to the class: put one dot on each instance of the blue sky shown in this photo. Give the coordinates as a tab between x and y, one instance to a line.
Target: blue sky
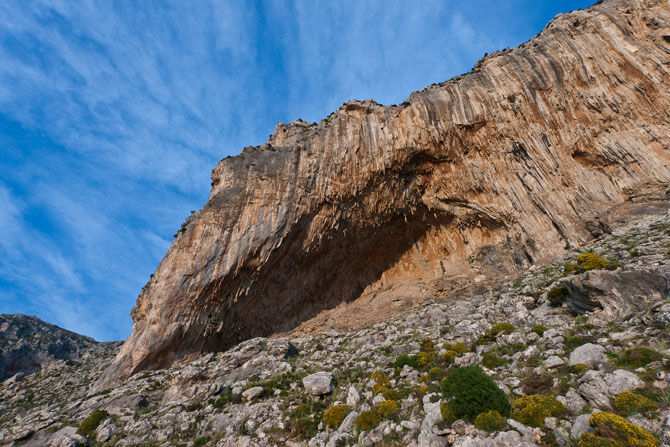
114	113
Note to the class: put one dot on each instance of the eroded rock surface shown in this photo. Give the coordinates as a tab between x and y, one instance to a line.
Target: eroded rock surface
485	173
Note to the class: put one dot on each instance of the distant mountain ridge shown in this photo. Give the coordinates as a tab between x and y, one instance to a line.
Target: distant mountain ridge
27	344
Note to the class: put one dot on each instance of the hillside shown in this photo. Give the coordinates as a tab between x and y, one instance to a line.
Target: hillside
28	343
384	384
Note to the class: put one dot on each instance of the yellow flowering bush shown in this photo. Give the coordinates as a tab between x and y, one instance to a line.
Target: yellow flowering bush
628	403
490	421
531	410
389	409
334	415
614	431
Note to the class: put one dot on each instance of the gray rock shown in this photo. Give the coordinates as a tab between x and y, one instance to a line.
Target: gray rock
106	430
615	293
352	396
319	383
427	439
553	362
588	354
338	439
580	425
526	432
124	404
572	401
253	393
622	380
562	436
432	417
349	422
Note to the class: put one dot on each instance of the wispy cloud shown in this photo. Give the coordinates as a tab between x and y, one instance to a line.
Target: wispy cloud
112	115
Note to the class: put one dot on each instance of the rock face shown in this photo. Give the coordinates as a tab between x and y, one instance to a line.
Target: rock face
490	171
27	343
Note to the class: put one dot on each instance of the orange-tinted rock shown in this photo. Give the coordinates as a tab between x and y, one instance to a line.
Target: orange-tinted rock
484	173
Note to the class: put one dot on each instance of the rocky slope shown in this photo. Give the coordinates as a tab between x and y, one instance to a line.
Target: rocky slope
489	172
599	347
28	343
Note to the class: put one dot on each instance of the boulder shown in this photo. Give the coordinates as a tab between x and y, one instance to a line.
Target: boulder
588	354
319	383
615	293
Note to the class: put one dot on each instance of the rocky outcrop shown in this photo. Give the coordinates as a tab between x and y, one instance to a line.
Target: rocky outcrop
617	294
28	343
263	392
490	171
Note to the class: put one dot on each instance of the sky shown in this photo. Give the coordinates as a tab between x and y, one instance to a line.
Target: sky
114	113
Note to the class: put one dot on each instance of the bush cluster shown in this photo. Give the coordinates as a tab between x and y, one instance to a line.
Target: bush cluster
531	410
614	431
490	421
389	409
404	359
588	261
368	420
334	415
629	403
473	392
539	329
459	348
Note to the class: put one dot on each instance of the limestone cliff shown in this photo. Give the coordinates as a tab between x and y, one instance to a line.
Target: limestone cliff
499	168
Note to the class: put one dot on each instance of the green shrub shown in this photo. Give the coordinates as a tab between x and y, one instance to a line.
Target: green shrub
389	409
334	415
531	410
492	361
638	357
505	327
88	425
201	441
368	420
557	295
404	359
490	421
473	392
628	403
539	329
614	431
226	398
